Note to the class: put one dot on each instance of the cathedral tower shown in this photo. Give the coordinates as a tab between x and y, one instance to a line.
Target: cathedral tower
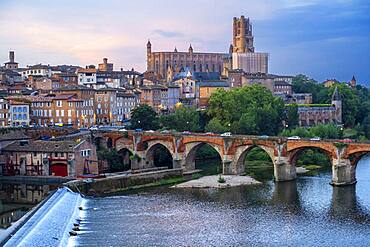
242	35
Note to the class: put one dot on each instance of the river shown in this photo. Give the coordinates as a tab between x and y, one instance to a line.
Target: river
305	212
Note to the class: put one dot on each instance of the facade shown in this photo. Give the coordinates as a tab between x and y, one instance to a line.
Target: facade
4	112
205	90
165	63
173	96
39	69
50	158
283	87
251	62
155	96
126	102
87	109
106	106
19	113
313	115
302	98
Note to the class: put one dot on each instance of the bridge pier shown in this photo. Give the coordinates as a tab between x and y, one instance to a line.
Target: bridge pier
343	173
284	170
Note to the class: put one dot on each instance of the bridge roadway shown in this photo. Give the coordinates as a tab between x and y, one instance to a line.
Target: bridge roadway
140	148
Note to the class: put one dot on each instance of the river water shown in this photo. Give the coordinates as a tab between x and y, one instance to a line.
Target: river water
305	212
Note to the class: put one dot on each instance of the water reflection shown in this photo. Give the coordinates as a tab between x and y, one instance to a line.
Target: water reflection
17	199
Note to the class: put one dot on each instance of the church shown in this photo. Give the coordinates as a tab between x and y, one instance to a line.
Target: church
241	55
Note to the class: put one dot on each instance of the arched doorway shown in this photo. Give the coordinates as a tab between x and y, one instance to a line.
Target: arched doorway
204	157
257	163
159	156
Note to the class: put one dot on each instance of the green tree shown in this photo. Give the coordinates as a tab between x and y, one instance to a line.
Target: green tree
216	126
182	119
350	104
144	117
249	110
327	131
366	127
292	117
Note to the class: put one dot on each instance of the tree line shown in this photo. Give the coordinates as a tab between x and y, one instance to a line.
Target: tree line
254	110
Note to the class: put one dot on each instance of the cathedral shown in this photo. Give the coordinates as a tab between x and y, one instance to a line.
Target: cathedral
241	55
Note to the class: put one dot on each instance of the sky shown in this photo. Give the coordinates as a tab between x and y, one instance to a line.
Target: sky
320	38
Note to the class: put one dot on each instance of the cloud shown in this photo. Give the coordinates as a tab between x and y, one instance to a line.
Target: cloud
167	34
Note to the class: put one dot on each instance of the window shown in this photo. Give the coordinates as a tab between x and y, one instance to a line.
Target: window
59	103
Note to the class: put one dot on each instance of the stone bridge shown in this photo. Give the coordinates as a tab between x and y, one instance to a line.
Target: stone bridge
140	148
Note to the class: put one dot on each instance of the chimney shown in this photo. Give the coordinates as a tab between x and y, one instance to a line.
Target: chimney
11	56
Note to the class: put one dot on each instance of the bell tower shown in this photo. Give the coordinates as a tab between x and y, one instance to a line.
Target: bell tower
242	35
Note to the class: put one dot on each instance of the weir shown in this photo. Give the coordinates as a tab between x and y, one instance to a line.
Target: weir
51	223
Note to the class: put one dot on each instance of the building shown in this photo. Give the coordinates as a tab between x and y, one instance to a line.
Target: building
250	62
242	35
105	66
87	108
206	88
282	87
106	106
244	56
330	82
4	112
38	69
87	77
310	115
173	96
155	96
19	112
50	158
126	102
11	65
9	77
302	98
163	64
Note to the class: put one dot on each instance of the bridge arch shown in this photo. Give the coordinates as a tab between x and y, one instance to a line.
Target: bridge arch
191	149
159	155
127	156
242	152
296	153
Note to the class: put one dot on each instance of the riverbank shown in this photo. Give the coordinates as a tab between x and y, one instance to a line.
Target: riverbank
123	182
213	182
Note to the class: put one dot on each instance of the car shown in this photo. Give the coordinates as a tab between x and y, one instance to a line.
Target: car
139	130
150	131
93	128
264	137
165	131
122	130
316	138
346	140
210	134
186	132
294	138
226	134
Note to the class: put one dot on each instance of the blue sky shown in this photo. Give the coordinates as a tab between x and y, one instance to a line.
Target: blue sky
323	39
